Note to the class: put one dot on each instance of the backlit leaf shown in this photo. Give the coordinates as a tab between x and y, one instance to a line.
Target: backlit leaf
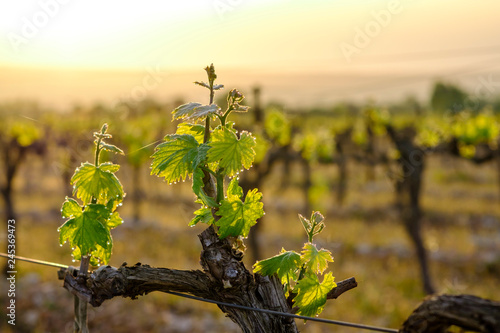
194	111
232	153
285	265
311	294
203	215
315	260
111	148
198	185
237	217
196	130
87	229
97	182
176	158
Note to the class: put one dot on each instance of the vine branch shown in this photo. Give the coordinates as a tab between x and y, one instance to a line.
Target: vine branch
138	280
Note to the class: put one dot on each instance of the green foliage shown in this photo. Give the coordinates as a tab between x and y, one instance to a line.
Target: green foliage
198	185
311	294
302	270
178	157
210	154
195	130
207	155
99	183
313	226
278	127
25	133
316	144
447	97
194	111
315	260
233	154
85	229
88	226
237	216
284	265
473	130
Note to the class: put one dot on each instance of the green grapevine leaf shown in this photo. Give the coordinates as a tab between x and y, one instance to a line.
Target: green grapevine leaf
97	257
97	182
206	85
203	215
234	191
194	111
237	217
311	294
305	223
315	260
285	265
176	158
70	208
85	229
203	84
198	184
111	148
113	221
195	130
232	154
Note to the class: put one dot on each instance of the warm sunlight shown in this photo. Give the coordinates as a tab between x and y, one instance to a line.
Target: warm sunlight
360	40
301	165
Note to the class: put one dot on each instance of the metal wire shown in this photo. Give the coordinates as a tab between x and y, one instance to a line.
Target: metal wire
237	306
34	261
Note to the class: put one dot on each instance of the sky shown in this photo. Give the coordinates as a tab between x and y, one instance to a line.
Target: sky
336	48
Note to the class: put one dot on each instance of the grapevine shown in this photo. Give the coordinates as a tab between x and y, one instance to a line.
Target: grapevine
209	154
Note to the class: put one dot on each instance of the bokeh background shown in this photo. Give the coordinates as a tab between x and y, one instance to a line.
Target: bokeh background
364	106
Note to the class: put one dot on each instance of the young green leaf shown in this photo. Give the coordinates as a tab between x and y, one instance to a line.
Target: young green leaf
195	130
111	148
97	182
232	153
311	294
70	208
285	265
305	223
194	111
113	221
86	229
97	257
315	260
203	84
203	215
234	191
237	217
176	158
198	188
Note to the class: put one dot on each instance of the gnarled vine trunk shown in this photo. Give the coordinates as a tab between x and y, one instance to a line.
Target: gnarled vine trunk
224	278
438	313
408	189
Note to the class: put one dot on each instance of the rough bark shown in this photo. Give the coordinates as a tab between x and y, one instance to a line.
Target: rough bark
230	282
438	313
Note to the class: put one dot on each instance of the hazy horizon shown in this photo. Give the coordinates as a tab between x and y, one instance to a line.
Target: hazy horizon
301	53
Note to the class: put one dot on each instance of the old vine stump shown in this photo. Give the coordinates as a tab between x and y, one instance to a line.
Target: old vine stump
438	313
